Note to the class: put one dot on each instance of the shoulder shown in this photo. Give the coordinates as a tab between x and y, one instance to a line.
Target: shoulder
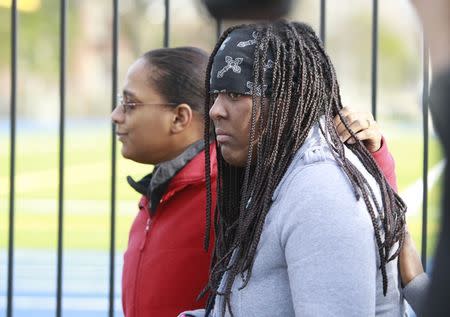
321	179
317	200
317	188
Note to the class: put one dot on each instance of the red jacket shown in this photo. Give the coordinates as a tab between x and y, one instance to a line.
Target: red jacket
165	265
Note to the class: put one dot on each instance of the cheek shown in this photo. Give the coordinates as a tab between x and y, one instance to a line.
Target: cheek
246	124
243	128
243	119
154	133
139	134
150	124
136	129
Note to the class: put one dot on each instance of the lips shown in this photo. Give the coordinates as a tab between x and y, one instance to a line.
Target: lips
121	135
222	136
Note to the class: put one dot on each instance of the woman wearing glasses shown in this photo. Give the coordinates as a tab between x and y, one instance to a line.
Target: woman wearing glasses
159	121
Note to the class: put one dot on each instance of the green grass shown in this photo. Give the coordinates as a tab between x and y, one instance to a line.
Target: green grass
38	231
408	151
87	177
87	167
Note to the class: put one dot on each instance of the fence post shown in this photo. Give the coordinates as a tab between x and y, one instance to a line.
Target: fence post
62	82
323	4
374	57
166	22
12	162
112	247
425	153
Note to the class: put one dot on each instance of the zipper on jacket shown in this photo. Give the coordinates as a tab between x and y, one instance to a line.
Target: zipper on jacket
138	271
147	229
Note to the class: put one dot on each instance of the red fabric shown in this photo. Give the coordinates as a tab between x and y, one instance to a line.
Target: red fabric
386	163
166	267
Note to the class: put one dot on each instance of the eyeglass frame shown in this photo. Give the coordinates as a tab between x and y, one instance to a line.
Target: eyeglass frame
130	105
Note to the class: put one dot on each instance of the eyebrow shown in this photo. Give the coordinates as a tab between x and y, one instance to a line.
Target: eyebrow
128	93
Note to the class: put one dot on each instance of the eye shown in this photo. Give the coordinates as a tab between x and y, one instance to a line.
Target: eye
234	96
129	106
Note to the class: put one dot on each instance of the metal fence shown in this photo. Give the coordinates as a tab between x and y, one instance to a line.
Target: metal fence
114	67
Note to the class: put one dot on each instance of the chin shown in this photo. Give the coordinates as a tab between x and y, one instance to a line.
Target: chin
233	159
125	154
128	155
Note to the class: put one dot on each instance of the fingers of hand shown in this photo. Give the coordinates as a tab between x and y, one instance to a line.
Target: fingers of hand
362	135
356	126
337	119
345	111
357	121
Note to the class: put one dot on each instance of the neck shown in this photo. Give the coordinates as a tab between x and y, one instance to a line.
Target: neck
183	140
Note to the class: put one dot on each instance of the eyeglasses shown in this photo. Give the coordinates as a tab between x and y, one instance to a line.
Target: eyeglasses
129	106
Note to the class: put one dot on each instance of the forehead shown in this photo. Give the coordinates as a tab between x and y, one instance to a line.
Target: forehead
138	70
137	83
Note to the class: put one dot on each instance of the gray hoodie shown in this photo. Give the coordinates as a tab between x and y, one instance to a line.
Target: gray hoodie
317	255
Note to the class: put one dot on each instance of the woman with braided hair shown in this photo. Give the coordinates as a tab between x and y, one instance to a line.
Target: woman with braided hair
304	225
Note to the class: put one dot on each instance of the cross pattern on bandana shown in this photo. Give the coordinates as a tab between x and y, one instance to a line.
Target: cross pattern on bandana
249	42
257	88
224	44
232	64
269	65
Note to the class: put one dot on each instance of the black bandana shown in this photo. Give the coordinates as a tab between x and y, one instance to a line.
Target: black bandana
232	69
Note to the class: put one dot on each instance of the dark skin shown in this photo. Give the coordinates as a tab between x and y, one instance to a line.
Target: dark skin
363	125
410	264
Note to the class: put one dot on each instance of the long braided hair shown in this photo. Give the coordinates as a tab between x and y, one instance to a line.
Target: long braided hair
304	88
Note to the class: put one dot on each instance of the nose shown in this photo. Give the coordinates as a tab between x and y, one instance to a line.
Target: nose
117	115
218	110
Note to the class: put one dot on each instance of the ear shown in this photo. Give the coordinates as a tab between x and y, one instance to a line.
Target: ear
181	119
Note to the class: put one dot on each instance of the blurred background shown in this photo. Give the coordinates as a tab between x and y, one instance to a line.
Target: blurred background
88	129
